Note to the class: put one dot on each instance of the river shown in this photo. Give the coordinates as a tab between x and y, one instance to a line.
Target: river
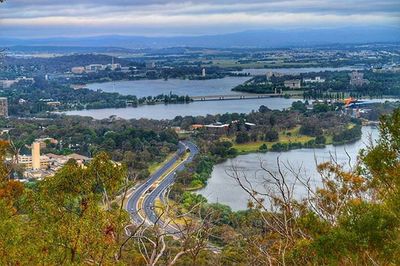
223	189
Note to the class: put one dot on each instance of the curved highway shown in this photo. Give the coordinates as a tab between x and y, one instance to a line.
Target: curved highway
141	201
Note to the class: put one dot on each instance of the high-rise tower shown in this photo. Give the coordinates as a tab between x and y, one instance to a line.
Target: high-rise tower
36	155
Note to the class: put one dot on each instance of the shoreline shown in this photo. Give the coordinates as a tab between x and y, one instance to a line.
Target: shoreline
240	153
240	74
215	185
162	79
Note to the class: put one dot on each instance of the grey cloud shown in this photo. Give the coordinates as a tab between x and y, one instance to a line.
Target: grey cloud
289	5
52	17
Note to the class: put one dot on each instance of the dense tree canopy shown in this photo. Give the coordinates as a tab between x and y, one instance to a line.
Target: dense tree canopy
351	218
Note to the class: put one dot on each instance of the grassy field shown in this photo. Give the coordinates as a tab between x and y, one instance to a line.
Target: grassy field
259	64
288	136
329	139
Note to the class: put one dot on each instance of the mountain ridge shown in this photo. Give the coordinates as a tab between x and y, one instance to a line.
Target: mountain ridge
244	39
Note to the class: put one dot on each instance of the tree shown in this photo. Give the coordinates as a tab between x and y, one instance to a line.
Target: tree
263	147
351	218
242	137
299	106
154	240
66	219
382	163
271	135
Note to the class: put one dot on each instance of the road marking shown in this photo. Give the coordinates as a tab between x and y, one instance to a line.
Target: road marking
162	177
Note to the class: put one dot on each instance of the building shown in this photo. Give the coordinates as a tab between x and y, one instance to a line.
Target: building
5	84
35	161
203	72
4	131
150	64
43	142
217	127
78	70
39	166
27	162
272	74
315	80
36	155
293	84
114	66
196	126
53	103
3	107
94	67
22	101
357	79
128	69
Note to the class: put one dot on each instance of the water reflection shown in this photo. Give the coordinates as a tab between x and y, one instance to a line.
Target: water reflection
162	111
223	189
144	88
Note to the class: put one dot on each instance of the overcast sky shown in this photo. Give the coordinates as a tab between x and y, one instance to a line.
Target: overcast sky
50	18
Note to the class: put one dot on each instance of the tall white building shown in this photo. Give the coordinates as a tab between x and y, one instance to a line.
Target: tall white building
36	155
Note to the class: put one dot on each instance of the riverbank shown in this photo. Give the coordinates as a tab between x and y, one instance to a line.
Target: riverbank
221	188
285	141
155	87
292	139
199	108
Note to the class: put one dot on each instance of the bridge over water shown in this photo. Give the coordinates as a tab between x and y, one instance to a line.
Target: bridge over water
235	96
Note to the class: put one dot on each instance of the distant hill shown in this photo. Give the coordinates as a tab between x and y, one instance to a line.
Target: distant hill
62	49
248	39
64	63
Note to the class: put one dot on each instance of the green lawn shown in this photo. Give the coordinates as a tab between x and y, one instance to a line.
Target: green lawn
287	136
294	136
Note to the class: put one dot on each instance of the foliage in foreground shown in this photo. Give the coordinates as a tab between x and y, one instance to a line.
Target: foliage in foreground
61	220
352	218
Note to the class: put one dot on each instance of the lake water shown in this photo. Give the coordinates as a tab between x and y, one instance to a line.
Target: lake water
222	86
144	88
262	71
223	188
162	111
170	111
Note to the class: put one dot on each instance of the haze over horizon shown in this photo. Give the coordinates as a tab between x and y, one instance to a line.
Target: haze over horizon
49	19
